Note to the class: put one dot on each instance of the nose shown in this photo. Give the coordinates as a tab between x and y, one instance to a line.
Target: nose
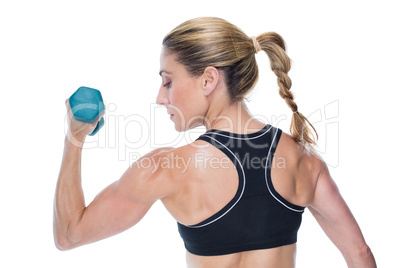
162	98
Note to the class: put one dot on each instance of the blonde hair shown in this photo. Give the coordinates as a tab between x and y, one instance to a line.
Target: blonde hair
209	41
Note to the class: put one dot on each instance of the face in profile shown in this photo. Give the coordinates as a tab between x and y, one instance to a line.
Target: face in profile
181	94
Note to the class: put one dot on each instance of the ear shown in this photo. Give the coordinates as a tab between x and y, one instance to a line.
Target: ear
210	80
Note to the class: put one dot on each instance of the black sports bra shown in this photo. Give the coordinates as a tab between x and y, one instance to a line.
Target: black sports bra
257	217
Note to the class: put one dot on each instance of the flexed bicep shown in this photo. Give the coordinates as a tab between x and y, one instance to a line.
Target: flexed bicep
121	205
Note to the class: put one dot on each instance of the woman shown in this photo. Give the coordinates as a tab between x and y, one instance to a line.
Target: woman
239	190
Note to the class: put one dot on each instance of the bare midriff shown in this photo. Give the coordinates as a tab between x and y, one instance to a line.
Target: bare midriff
280	257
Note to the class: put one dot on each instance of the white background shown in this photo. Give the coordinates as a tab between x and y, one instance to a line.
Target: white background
346	68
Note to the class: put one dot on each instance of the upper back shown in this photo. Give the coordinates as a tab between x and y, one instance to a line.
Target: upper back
223	170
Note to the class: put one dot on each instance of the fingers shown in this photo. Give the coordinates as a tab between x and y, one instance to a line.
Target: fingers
67	103
102	115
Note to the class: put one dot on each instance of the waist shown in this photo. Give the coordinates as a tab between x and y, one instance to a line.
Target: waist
279	257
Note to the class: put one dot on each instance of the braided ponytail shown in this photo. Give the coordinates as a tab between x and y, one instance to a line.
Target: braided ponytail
273	44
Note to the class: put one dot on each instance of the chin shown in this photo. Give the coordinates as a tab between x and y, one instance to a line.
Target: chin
180	128
185	127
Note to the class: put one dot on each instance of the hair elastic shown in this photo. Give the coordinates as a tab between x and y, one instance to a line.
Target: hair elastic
234	45
257	46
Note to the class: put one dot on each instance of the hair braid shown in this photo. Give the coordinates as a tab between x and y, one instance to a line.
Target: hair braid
274	46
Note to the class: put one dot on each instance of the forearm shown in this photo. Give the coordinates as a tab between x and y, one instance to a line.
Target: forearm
69	202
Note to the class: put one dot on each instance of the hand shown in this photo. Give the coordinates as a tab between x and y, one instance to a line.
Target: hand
77	131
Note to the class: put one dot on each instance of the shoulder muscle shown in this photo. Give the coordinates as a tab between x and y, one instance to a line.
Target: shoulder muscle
148	178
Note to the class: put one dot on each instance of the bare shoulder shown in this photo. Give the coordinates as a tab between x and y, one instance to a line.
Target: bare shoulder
298	156
160	171
303	165
150	177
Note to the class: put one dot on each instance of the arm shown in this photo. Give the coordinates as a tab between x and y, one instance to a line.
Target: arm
337	221
117	208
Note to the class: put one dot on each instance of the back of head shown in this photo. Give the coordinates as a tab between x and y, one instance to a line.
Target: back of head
209	41
206	41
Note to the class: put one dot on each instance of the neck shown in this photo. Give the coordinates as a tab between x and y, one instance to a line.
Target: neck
234	118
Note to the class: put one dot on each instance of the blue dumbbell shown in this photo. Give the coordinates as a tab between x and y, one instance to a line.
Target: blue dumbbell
87	105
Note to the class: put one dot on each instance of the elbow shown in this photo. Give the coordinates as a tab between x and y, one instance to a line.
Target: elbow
60	241
63	239
62	247
364	251
363	257
366	254
62	244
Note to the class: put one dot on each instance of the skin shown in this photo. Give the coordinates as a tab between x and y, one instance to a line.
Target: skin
191	192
